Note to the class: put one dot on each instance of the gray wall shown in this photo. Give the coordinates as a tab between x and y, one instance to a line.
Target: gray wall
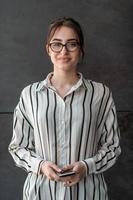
107	26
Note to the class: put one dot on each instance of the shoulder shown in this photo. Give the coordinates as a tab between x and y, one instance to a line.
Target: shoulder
96	86
98	90
31	88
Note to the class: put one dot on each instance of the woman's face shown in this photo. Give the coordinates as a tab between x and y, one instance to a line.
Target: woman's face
65	59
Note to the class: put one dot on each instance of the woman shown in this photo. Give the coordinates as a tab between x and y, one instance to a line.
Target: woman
65	124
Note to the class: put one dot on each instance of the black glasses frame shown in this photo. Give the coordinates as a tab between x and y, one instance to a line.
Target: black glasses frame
63	45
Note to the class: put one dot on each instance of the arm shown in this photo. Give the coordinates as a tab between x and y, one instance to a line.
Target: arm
22	146
108	144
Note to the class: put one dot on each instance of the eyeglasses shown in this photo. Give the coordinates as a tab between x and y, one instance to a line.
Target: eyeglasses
70	46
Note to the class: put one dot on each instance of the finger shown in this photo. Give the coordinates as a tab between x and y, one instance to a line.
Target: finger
69	183
76	169
66	183
69	179
65	179
56	168
68	167
53	176
56	177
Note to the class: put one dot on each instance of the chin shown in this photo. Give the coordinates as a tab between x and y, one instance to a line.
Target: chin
66	67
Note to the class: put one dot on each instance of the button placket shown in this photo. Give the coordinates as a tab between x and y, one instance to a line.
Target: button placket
63	144
61	133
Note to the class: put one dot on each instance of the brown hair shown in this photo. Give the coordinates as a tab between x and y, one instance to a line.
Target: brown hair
69	22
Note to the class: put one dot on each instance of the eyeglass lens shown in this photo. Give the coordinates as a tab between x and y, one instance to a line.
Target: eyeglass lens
70	46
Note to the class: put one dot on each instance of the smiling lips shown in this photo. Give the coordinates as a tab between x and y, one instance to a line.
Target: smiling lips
64	59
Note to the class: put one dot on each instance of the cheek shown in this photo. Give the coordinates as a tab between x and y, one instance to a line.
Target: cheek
78	56
53	58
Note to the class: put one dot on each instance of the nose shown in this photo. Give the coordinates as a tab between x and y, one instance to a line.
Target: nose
64	50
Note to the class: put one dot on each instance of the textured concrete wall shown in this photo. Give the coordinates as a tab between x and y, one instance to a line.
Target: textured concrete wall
107	26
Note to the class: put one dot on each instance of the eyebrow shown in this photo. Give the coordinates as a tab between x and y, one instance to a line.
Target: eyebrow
71	39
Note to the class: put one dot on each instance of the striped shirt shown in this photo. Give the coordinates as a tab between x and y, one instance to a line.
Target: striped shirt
82	126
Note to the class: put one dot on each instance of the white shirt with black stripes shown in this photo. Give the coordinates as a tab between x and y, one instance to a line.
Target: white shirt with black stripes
82	126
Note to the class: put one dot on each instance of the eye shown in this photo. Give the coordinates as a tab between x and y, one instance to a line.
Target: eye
56	44
72	44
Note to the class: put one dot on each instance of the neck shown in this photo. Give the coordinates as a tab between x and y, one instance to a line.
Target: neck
62	78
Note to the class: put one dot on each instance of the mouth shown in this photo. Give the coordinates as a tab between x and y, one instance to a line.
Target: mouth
64	59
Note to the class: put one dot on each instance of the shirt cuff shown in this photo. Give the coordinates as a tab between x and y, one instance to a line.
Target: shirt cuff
90	164
85	166
36	165
40	165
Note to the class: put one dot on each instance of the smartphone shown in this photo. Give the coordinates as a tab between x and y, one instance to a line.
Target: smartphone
70	173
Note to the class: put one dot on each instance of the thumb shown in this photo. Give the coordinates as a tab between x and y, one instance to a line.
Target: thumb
56	168
67	167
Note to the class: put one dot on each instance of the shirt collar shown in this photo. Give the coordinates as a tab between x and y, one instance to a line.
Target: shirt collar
46	83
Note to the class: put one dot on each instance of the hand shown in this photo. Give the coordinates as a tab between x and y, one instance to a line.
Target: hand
80	170
50	170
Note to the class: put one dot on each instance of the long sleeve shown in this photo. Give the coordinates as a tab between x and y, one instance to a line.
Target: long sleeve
108	145
22	146
81	127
